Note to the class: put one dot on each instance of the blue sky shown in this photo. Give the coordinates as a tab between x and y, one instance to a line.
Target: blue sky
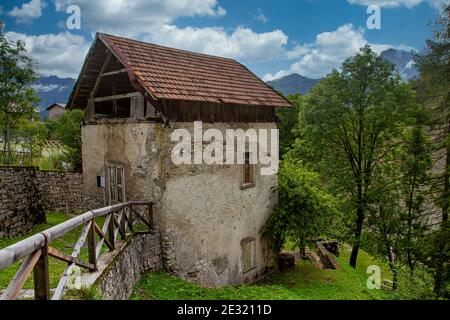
273	38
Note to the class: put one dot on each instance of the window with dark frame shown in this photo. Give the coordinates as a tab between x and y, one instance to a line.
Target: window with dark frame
247	172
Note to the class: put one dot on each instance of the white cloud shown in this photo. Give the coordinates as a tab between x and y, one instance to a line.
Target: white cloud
28	11
243	43
48	88
260	16
137	17
327	52
397	3
57	54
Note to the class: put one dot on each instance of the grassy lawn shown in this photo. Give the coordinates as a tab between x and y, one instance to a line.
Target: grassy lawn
302	283
64	244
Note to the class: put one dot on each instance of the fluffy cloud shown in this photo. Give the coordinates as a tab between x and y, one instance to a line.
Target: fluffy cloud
136	17
260	16
57	54
28	11
243	44
397	3
327	52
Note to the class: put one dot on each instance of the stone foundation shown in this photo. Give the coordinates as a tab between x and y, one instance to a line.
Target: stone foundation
124	266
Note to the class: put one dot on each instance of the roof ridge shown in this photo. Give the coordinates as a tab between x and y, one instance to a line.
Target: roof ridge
170	48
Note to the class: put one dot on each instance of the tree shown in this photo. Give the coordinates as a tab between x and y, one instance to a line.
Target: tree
17	72
67	129
415	165
287	121
351	126
304	210
434	70
434	92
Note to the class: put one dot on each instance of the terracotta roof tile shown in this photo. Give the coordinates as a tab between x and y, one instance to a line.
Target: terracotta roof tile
169	73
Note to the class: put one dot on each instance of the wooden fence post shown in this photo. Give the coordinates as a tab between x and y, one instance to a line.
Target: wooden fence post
41	277
91	245
111	228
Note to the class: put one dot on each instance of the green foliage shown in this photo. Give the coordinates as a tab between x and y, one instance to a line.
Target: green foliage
437	256
304	282
350	130
17	72
287	121
304	210
67	130
417	286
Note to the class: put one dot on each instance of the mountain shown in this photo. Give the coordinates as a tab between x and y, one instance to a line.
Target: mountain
403	60
292	84
51	90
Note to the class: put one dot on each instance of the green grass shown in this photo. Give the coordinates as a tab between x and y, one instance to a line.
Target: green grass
304	282
64	244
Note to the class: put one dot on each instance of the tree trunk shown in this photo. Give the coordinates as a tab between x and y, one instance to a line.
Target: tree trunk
358	231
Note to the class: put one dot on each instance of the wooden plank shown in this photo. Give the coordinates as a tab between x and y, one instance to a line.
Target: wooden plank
91	245
102	236
21	276
69	259
118	225
41	277
141	217
99	78
112	73
69	269
123	226
129	217
118	97
111	236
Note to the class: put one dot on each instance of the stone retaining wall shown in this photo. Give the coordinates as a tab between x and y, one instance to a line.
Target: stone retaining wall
140	254
27	193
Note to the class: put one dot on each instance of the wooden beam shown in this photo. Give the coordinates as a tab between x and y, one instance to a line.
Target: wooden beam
21	276
91	245
68	272
118	97
112	73
99	78
69	259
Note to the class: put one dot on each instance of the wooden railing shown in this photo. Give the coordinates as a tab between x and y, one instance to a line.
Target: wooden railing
36	250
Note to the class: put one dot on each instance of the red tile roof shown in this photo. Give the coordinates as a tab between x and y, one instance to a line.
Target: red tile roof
174	74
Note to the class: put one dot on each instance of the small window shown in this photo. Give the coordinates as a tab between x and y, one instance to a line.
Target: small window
248	254
247	172
100	181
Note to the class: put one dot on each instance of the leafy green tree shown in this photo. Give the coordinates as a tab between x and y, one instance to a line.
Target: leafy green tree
351	127
415	166
434	92
67	130
304	210
17	72
287	121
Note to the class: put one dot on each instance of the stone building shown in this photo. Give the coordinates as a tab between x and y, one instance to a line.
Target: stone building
56	110
210	216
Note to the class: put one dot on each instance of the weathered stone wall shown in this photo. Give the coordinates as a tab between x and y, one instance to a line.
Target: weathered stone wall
201	210
119	271
20	203
27	193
